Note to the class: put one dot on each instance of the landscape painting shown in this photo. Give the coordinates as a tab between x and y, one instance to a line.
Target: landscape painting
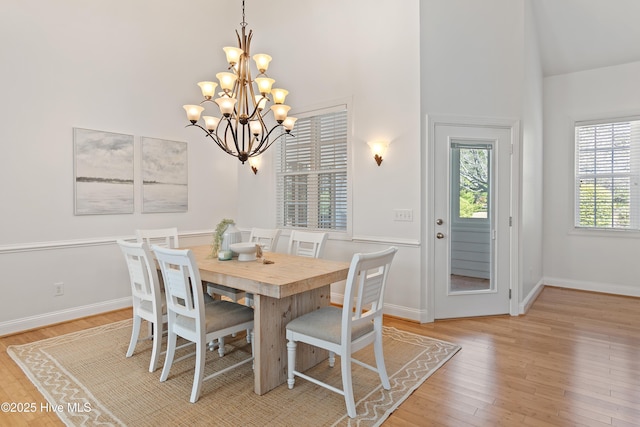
103	169
164	176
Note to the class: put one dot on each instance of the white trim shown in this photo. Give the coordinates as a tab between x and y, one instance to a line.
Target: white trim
389	309
607	288
428	231
318	111
342	104
386	240
46	319
528	301
80	243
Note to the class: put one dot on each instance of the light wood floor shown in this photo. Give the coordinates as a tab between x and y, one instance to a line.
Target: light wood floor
572	360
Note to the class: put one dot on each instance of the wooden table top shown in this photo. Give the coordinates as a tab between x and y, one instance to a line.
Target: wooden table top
288	275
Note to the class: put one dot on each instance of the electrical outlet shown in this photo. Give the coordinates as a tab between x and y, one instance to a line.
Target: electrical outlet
58	289
403	215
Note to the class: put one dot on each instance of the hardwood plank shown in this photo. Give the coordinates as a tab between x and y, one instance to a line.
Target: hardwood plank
571	360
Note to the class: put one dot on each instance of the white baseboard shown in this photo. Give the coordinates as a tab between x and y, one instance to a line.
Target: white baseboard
46	319
531	297
607	288
390	309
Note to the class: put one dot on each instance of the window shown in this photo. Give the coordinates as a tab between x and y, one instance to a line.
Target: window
312	174
607	170
470	172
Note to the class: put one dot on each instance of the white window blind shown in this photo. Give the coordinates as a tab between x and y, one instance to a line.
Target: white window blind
607	170
312	173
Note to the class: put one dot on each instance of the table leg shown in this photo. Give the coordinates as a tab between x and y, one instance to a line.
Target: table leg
271	316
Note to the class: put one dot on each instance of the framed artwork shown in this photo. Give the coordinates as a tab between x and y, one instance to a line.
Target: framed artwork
103	172
164	176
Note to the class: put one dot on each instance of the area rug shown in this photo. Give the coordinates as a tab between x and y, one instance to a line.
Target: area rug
87	379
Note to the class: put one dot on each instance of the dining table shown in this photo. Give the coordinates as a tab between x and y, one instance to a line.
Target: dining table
284	287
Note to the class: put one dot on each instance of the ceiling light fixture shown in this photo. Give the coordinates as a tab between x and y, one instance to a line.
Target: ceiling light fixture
242	130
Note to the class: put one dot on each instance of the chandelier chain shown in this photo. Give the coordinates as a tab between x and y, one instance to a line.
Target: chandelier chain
244	21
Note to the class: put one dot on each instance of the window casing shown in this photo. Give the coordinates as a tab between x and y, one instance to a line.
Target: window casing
312	173
606	174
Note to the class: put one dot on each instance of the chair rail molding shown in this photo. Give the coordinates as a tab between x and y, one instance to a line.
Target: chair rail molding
384	240
80	243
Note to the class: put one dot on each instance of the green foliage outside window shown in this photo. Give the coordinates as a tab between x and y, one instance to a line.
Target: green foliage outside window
603	207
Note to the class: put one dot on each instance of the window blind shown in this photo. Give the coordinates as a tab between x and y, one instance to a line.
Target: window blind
312	173
607	175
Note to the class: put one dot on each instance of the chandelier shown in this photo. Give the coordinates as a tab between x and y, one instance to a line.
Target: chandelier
242	130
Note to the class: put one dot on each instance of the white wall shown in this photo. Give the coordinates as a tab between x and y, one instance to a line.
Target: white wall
481	60
129	67
601	261
332	53
531	168
116	66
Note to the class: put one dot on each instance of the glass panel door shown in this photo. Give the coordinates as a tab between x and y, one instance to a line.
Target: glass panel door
471	216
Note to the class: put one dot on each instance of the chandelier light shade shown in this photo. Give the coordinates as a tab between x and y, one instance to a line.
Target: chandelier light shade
241	128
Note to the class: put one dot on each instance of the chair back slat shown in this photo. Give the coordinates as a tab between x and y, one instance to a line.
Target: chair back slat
164	237
143	278
139	277
306	243
371	289
181	281
364	291
267	238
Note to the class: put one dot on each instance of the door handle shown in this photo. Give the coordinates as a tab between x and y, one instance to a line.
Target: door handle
440	236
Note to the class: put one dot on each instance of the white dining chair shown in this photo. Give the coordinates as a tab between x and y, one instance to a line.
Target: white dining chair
147	299
306	243
190	318
344	331
166	237
267	238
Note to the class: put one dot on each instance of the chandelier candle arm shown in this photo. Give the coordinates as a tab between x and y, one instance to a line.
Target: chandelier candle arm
242	106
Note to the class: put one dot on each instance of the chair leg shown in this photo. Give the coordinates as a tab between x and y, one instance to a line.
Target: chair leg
199	372
382	370
221	346
253	350
157	345
332	358
291	363
135	333
248	301
168	360
347	385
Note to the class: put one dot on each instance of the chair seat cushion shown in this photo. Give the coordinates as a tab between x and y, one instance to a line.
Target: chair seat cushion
219	315
326	324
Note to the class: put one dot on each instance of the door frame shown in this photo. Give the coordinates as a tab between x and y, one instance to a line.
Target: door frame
428	218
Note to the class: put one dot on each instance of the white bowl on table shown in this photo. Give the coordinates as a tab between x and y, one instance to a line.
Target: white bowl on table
246	250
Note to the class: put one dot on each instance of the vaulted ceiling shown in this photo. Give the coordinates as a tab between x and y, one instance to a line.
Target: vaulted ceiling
577	35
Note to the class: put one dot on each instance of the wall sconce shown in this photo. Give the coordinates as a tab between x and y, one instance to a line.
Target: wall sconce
378	148
254	162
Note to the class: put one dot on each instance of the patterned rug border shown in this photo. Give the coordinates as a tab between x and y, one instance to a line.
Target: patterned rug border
371	406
